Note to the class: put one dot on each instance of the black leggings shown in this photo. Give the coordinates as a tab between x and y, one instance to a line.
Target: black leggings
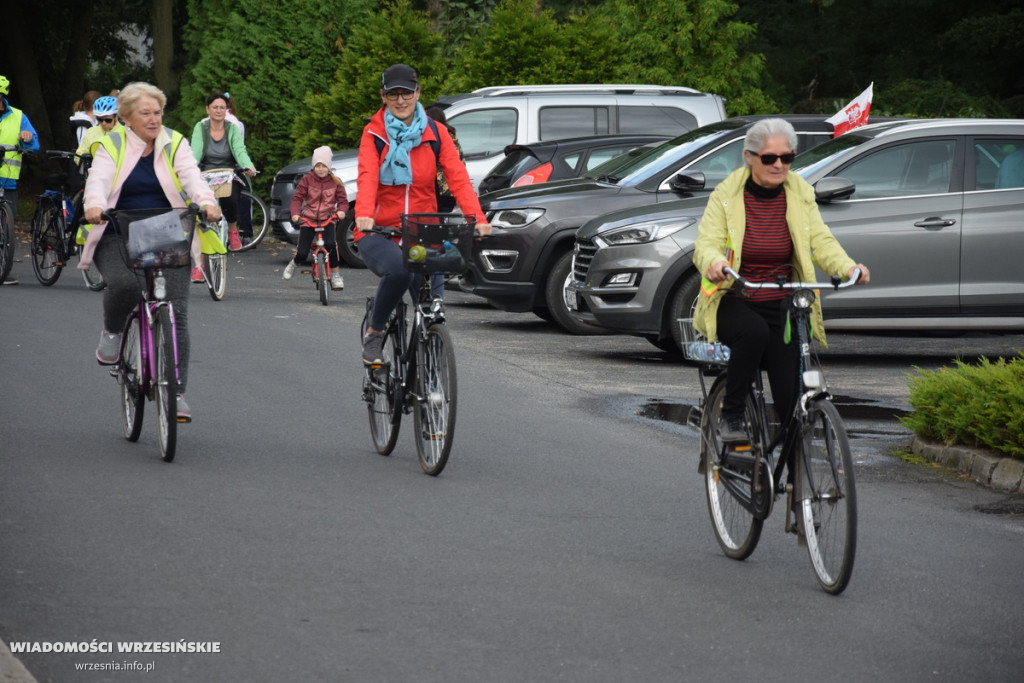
306	235
754	333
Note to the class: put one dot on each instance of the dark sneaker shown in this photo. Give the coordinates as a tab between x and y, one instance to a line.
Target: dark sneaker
732	428
184	412
109	350
373	348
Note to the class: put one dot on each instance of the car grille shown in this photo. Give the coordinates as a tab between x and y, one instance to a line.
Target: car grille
585	250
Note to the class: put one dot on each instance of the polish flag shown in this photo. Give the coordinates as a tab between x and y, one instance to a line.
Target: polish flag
853	115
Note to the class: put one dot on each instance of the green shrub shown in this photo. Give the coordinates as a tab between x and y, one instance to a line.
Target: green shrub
974	405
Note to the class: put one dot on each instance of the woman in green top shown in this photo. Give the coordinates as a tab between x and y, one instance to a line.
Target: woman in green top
218	143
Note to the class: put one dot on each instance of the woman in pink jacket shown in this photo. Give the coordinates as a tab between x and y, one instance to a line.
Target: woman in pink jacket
145	180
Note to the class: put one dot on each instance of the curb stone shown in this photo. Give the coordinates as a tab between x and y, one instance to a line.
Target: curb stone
11	669
984	466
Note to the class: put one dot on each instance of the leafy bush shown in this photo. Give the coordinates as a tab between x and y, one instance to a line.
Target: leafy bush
974	405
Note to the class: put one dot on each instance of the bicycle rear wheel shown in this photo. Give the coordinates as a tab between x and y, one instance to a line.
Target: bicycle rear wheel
259	216
827	497
436	400
166	383
728	487
382	388
47	242
323	283
129	376
6	240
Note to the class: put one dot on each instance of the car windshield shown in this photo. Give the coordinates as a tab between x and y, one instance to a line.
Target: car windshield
625	165
809	162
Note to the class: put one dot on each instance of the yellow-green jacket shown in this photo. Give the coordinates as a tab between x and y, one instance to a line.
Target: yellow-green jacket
723	226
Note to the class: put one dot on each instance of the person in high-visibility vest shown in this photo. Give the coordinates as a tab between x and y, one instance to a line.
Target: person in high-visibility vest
147	166
15	129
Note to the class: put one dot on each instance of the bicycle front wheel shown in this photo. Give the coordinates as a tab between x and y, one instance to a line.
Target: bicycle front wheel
216	275
166	383
728	488
323	283
436	400
259	217
6	241
47	242
129	376
827	497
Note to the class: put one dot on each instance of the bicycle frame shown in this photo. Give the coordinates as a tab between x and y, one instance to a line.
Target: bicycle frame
146	311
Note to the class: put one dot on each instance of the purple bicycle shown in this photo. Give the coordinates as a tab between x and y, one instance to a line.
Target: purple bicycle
148	363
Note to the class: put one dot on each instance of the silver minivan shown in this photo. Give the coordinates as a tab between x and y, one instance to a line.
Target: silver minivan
932	207
489	119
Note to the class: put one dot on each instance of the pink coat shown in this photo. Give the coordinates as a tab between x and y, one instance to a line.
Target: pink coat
102	192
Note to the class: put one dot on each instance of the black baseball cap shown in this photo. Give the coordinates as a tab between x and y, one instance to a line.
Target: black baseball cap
399	76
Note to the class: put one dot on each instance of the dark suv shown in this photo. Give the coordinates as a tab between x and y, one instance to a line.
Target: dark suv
526	263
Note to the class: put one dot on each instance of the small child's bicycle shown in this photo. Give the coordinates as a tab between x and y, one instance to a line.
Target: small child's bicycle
318	254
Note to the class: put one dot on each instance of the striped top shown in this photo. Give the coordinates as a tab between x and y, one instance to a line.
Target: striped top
767	245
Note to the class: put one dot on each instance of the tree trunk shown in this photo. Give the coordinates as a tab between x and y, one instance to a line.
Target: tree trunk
20	68
162	30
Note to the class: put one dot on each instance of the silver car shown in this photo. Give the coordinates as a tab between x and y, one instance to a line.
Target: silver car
935	208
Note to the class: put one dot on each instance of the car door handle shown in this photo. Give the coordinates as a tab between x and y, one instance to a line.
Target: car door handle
935	222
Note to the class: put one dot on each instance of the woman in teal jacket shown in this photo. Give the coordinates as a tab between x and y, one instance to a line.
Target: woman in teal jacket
762	221
218	143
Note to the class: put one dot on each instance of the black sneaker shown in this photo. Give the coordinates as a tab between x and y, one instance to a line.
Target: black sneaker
732	428
373	348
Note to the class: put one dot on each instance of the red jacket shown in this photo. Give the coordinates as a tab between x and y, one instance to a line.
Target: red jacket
386	203
318	199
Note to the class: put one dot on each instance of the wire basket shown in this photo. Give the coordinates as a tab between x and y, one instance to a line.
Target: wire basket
697	348
219	180
155	238
436	242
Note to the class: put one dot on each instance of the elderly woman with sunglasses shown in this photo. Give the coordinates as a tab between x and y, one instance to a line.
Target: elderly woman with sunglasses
763	222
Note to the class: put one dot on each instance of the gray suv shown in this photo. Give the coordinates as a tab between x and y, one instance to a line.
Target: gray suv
525	264
489	119
932	207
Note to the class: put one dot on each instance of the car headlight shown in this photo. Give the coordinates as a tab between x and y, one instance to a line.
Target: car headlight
512	219
641	233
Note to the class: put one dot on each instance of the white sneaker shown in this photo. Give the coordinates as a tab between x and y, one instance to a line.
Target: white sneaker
336	281
109	350
289	270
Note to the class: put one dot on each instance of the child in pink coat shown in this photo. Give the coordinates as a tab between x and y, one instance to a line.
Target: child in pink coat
319	200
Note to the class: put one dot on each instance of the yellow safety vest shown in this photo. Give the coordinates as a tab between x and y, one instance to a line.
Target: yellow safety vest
10	129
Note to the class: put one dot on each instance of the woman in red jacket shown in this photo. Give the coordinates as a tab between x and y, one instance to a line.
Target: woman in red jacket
399	155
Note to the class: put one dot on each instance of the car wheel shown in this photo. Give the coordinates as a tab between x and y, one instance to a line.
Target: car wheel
347	248
681	305
554	295
666	344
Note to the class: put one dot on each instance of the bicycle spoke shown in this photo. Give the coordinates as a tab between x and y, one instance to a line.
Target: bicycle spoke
435	408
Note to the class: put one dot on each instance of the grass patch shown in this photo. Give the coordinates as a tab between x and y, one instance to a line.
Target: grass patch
980	405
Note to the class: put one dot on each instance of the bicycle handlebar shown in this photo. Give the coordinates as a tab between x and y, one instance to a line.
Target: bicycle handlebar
834	282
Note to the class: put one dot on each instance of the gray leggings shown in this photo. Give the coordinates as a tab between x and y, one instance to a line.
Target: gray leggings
122	295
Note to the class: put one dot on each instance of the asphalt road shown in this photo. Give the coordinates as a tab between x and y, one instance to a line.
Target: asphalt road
568	538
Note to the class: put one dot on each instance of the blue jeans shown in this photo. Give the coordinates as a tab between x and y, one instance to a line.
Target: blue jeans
383	257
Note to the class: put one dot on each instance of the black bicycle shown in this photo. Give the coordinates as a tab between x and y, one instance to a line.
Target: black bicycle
56	223
742	480
418	373
6	225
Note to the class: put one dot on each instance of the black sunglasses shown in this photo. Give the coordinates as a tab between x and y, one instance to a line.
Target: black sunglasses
769	159
106	119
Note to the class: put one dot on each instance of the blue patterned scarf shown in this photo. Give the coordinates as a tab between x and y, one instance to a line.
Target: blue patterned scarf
396	169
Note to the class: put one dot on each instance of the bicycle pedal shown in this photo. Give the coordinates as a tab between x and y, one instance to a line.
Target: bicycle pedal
183	420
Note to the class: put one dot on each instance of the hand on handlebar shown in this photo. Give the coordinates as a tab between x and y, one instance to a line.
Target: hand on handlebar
483	229
364	223
716	271
865	274
212	212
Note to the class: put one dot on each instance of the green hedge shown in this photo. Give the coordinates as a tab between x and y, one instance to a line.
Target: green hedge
974	405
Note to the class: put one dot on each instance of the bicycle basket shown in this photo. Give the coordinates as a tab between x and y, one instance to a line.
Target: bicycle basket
698	349
436	242
158	238
219	180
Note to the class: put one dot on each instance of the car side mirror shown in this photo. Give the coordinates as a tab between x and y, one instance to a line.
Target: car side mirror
687	181
834	188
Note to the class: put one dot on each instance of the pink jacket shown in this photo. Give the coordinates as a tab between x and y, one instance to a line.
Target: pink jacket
102	192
